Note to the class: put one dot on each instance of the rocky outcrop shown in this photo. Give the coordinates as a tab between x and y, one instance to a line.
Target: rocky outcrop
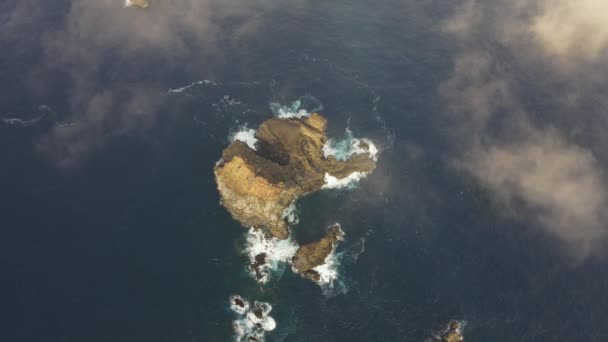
315	254
258	186
452	333
258	264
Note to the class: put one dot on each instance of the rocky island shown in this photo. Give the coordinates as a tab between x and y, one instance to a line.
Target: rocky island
260	176
263	172
259	183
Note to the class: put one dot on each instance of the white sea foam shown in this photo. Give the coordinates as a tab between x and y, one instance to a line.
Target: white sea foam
253	322
290	214
371	149
28	122
193	84
298	109
277	251
347	182
246	135
291	111
20	122
267	323
344	148
241	310
328	271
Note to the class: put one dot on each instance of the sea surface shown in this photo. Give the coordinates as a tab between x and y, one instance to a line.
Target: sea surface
132	244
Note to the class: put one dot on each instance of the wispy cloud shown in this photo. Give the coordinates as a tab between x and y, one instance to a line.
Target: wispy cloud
113	60
567	34
572	29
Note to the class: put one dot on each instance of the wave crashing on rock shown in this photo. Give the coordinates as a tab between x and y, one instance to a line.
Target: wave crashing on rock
253	321
265	253
451	333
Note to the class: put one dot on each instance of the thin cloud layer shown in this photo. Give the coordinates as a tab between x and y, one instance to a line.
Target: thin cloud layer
89	44
572	29
561	184
532	170
568	34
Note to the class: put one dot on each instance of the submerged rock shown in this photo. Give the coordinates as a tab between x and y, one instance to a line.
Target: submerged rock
315	254
259	262
257	186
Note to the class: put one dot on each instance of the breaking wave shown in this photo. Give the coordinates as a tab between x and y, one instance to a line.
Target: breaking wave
253	320
300	108
275	251
291	215
193	84
344	148
43	111
335	281
246	135
348	182
331	282
329	271
239	305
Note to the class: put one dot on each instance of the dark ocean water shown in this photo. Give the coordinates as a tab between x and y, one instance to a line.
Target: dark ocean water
132	245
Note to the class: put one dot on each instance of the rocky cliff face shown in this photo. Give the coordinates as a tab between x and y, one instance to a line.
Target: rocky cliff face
257	186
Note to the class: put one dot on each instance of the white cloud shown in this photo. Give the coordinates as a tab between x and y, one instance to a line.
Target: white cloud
568	34
570	29
88	43
533	171
561	184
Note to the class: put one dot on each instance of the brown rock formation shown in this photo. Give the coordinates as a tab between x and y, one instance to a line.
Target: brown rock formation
257	186
453	333
314	254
